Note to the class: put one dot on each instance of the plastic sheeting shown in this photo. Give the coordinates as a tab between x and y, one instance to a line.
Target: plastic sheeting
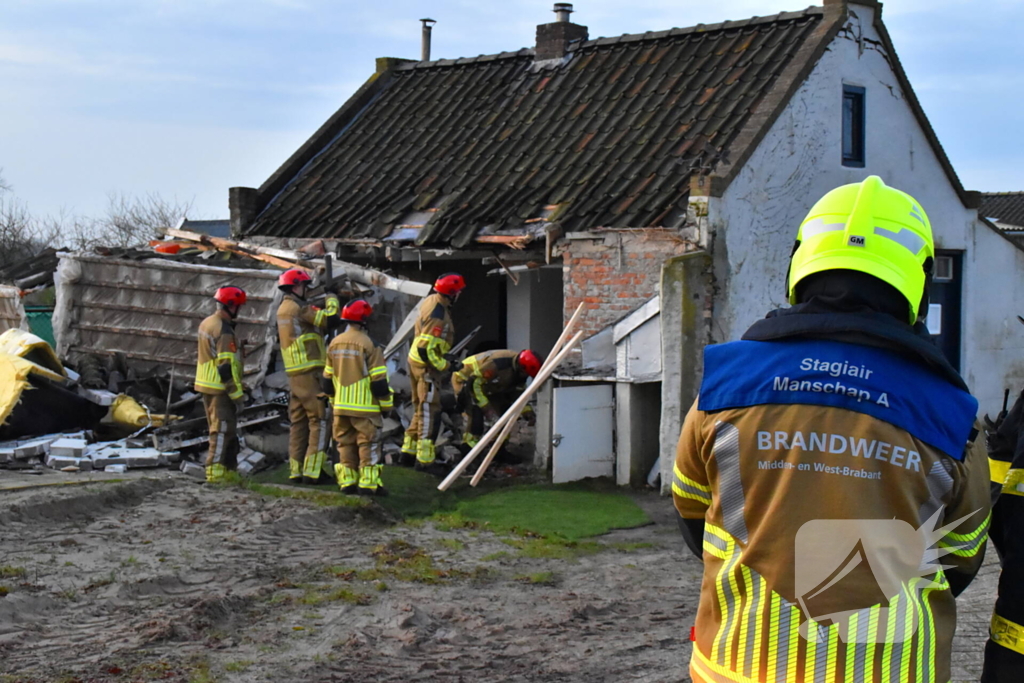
149	311
12	313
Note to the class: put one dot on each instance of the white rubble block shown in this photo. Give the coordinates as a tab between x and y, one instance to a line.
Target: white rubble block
30	463
169	458
59	462
6	455
250	462
33	449
193	469
72	448
115	469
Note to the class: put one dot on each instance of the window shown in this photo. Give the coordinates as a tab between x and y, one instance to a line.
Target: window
943	269
853	126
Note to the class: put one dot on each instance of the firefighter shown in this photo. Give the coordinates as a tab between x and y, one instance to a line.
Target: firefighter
488	383
301	327
219	380
432	339
359	384
1004	651
826	454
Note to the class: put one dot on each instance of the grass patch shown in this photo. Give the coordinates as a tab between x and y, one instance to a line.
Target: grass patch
553	548
275	484
453	544
240	665
9	572
315	596
571	512
400	561
538	579
4	591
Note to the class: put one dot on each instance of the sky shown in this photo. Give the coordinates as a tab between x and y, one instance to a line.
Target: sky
186	98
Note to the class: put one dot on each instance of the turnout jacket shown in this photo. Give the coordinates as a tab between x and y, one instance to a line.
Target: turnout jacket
218	369
826	473
1006	468
489	374
300	327
433	333
359	375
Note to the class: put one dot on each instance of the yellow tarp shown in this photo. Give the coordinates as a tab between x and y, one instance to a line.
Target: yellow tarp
22	344
14	374
127	411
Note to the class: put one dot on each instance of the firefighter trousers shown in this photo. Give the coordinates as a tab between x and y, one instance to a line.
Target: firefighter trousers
222	420
426	416
359	452
307	441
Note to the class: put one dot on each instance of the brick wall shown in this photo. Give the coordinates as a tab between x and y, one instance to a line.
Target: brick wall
614	272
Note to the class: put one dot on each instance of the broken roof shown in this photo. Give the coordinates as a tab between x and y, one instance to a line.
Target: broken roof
1005	208
441	152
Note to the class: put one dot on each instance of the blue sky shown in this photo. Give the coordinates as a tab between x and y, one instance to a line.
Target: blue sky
186	98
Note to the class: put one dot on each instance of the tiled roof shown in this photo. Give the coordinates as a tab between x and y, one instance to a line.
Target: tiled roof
607	138
1006	208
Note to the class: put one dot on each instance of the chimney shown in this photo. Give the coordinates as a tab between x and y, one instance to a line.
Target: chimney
553	40
428	24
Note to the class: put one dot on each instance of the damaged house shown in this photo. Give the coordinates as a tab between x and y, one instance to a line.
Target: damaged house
657	178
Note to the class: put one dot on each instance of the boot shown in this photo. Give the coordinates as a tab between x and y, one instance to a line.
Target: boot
294	471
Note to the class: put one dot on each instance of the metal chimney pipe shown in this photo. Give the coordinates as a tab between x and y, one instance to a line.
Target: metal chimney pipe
428	24
562	11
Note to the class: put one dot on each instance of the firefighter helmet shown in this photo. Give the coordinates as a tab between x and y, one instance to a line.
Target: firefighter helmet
529	362
230	296
871	228
358	311
450	284
293	276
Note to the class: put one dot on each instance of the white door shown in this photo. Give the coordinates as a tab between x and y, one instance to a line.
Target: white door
582	435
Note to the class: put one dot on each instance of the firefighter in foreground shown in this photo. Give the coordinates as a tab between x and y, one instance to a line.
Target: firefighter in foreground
1004	652
358	381
432	338
219	380
488	383
823	460
301	327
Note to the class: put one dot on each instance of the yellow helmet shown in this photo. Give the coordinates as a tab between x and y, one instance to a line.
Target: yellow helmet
871	228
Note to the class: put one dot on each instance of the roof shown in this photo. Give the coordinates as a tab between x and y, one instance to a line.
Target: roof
1005	208
443	152
213	228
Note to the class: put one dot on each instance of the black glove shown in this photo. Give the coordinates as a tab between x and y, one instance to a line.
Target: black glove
455	364
327	386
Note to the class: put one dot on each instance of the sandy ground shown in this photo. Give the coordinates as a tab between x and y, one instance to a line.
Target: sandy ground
167	579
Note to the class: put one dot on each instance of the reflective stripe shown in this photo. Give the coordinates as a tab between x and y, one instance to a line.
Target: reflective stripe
818	226
295	357
1014	482
715	545
357	396
755	616
1007	633
684	487
436	348
726	451
940	484
967	545
904	237
997	470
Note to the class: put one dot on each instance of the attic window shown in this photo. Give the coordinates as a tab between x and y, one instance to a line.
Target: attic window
853	126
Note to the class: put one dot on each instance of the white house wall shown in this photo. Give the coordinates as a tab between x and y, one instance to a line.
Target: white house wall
799	160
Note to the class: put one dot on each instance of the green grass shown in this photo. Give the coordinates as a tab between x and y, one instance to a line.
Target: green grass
9	572
569	512
538	579
275	484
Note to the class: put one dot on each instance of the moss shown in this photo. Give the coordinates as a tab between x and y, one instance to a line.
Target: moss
553	548
9	572
453	544
539	579
319	596
240	665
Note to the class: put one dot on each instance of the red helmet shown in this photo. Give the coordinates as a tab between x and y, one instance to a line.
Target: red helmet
293	276
230	295
529	362
450	284
357	311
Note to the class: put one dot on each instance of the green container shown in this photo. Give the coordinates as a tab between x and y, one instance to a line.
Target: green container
40	322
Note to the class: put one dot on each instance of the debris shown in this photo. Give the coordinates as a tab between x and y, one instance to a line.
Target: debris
194	470
70	448
115	469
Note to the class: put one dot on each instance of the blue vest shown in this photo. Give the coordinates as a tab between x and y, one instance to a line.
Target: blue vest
864	379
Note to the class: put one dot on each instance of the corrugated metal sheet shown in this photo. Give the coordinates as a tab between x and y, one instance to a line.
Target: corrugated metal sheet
12	313
149	311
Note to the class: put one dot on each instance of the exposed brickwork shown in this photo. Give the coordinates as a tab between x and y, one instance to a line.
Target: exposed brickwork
616	272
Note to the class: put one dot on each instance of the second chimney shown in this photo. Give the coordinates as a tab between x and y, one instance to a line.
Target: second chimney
554	39
428	24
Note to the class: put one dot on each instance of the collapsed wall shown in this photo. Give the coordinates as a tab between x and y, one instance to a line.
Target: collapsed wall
148	312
